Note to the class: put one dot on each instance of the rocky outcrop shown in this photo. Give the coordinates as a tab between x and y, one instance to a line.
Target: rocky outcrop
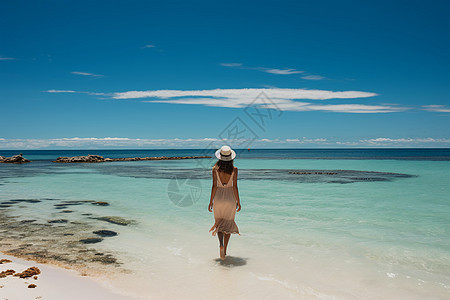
116	220
98	158
156	158
30	272
105	233
4	261
312	173
9	272
80	159
16	159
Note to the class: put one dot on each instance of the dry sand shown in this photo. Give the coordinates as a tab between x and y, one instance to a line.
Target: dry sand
52	283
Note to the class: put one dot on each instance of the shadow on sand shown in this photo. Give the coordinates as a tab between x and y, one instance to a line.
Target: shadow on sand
232	261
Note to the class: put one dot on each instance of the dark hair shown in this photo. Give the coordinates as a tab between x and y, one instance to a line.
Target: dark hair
225	166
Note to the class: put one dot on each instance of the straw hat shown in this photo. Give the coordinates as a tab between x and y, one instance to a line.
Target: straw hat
225	153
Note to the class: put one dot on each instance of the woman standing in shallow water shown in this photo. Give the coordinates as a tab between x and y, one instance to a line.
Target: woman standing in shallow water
224	198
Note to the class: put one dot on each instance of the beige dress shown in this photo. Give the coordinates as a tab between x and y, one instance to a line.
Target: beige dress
224	207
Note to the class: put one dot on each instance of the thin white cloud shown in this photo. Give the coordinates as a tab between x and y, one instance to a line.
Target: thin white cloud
280	71
305	140
211	143
87	74
313	77
6	58
231	65
281	99
436	108
106	142
382	141
149	46
263	69
343	108
246	94
275	98
77	92
61	91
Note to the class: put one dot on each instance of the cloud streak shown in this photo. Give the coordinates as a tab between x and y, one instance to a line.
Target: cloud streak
280	99
262	69
6	58
436	108
271	98
211	142
249	93
313	77
87	74
76	92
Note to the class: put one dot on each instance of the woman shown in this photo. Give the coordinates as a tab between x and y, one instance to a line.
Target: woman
224	198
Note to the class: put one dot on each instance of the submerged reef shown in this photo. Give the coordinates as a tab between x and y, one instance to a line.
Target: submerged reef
67	242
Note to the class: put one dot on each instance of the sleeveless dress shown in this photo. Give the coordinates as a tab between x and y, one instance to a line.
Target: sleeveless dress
224	207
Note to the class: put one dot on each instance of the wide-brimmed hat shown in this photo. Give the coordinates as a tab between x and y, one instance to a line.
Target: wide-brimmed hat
225	153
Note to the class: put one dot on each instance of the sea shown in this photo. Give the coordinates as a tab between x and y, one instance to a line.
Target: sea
314	224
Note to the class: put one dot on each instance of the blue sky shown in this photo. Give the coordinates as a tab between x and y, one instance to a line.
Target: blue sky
175	74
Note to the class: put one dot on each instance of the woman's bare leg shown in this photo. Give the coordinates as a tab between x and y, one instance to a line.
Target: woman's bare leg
222	249
226	239
220	236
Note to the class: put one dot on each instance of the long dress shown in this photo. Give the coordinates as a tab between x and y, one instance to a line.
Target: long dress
224	207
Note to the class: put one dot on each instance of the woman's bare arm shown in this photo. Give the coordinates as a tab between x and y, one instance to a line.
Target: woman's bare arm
236	191
213	190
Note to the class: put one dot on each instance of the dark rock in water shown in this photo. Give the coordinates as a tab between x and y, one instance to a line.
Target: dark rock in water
33	201
61	207
105	233
27	221
72	203
115	220
98	158
4	206
100	203
7	202
32	286
87	214
341	176
58	221
66	211
26	200
105	259
77	202
80	159
91	240
67	234
16	159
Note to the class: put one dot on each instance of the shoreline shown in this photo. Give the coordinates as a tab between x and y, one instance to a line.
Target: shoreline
53	282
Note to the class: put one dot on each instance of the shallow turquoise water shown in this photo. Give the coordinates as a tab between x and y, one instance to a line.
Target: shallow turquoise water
298	239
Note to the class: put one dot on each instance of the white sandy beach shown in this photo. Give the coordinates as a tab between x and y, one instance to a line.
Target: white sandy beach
52	283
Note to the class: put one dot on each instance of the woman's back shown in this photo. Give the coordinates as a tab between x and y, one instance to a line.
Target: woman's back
224	179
